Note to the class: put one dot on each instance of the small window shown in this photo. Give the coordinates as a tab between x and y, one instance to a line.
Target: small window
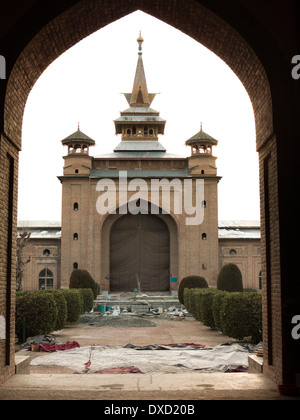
151	132
76	207
75	237
202	172
46	279
204	236
134	131
260	280
204	204
232	252
46	252
128	132
76	171
75	266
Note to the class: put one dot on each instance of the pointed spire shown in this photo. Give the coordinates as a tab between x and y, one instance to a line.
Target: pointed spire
140	97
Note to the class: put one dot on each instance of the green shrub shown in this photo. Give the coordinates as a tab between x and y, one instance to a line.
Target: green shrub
216	308
81	279
241	316
61	307
206	310
230	279
39	311
74	303
88	299
191	282
195	303
187	299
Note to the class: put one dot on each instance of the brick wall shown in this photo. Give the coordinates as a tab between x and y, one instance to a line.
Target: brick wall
8	218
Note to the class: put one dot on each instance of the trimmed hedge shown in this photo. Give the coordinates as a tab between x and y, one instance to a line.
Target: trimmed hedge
206	307
236	315
241	316
216	308
61	307
88	299
230	279
195	298
81	279
191	282
75	304
39	312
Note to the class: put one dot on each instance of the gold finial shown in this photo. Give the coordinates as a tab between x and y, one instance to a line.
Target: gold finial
140	38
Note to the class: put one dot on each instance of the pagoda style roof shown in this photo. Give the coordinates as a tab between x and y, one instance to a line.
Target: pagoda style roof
80	137
140	146
203	138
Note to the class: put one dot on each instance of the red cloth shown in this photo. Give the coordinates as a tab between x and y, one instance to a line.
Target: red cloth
122	370
51	348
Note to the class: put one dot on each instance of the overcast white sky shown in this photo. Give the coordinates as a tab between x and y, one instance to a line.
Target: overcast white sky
85	85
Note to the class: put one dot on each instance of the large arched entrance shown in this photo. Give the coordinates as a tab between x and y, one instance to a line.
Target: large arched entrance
139	254
257	42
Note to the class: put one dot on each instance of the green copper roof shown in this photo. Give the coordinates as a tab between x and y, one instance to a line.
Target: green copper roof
202	137
78	136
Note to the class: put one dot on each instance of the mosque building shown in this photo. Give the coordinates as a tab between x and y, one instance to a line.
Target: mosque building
139	218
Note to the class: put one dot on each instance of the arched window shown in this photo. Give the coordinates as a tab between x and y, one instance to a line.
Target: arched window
76	207
232	252
204	204
75	266
46	252
202	172
204	236
46	279
260	280
75	237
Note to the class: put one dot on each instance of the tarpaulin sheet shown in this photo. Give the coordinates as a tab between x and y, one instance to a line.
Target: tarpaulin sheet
229	358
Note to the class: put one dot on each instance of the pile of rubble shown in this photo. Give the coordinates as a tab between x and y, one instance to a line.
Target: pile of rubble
131	317
145	310
172	312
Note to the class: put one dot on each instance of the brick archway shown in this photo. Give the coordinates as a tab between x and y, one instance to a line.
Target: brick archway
64	25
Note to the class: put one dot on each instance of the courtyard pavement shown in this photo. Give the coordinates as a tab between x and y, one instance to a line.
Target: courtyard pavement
60	384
